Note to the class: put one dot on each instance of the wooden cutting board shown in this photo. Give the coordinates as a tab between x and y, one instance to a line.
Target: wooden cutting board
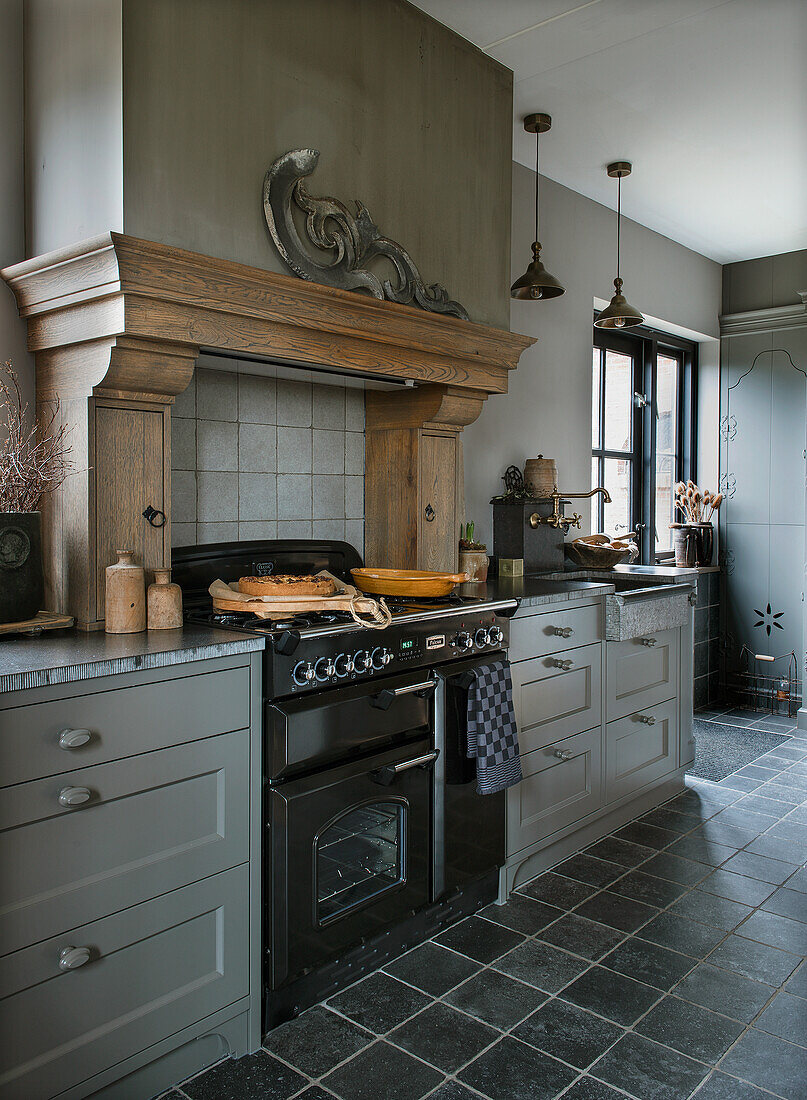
291	605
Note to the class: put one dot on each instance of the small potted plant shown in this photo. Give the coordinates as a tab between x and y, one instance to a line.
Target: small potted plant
34	461
473	556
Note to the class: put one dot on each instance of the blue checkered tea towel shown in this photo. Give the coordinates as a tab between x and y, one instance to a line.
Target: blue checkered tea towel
492	732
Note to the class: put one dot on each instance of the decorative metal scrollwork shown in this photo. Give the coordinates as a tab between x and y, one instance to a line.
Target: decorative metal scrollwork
728	427
352	241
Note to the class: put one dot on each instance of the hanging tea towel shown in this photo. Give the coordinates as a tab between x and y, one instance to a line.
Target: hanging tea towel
492	731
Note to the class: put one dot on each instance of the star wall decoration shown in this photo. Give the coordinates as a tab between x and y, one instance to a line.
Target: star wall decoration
769	619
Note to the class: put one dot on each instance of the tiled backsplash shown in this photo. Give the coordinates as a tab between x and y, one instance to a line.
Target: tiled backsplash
256	457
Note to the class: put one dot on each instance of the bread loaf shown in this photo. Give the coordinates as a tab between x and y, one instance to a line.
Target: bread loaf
282	584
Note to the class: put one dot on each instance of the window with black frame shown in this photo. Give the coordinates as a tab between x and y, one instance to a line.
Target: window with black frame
643	433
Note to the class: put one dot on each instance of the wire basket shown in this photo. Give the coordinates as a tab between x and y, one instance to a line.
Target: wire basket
767	683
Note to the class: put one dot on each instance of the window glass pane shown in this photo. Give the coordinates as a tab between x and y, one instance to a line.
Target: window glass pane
617	482
665	479
595	401
358	857
595	501
667	404
618	401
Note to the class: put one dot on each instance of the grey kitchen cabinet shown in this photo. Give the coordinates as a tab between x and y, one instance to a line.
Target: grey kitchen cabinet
554	631
641	672
640	748
130	860
557	695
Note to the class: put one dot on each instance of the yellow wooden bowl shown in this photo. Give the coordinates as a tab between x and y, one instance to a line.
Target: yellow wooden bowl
406	582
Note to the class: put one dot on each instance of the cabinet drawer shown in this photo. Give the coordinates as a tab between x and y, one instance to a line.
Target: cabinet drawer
552	702
152	823
562	783
552	631
640	749
121	722
152	970
641	672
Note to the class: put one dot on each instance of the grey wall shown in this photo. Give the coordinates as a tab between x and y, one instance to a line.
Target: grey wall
73	121
12	194
764	282
548	408
258	458
409	118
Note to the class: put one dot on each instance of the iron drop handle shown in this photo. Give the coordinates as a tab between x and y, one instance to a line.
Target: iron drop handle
71	958
152	515
386	776
74	796
73	739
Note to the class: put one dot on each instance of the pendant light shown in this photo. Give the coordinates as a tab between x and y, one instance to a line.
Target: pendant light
536	283
619	313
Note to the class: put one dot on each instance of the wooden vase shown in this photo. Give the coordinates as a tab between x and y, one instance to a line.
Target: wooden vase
540	477
125	595
164	602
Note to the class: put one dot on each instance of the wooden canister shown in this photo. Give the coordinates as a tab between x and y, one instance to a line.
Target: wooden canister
540	476
125	595
164	602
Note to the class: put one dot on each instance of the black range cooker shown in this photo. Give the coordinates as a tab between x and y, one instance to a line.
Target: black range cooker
375	834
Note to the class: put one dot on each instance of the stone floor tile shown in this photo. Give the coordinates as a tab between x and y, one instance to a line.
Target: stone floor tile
568	1033
785	1016
496	999
557	890
382	1072
690	1029
443	1037
781	932
649	889
432	968
754	960
479	939
711	909
649	962
623	852
582	936
522	914
612	909
379	1002
648	1070
316	1041
725	992
585	868
612	995
769	1062
541	965
788	903
514	1071
727	884
680	934
254	1077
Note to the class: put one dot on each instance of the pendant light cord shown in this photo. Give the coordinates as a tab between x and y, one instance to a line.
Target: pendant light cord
618	221
537	178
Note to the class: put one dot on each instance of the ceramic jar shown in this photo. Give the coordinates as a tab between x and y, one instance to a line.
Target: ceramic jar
475	564
164	602
22	589
540	477
125	595
704	543
685	544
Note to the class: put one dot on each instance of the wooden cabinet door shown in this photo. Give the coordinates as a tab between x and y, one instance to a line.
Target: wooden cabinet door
131	463
438	523
562	783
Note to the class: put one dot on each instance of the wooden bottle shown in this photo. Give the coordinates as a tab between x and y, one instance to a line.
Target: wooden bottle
125	595
164	602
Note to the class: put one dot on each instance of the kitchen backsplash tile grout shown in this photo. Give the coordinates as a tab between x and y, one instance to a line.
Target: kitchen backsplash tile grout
251	475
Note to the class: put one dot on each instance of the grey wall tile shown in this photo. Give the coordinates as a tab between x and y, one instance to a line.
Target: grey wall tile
217	532
216	445
185	402
183	534
354	453
354	410
329	496
183	497
257	447
216	395
293	496
294	529
183	444
294	403
329	529
354	498
293	450
329	407
253	530
257	399
328	451
354	534
217	497
257	497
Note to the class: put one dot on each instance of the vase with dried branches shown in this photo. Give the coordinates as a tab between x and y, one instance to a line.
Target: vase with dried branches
698	507
34	461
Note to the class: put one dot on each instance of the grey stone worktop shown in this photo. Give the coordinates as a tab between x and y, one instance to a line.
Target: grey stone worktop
62	657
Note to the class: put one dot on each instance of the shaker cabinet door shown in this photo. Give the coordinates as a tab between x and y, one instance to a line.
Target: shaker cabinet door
641	672
557	696
438	523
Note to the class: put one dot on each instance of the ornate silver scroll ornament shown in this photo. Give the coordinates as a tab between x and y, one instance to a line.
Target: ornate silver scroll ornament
353	242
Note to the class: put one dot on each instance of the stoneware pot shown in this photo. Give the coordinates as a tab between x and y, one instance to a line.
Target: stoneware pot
164	602
685	543
475	564
704	543
125	595
540	476
22	588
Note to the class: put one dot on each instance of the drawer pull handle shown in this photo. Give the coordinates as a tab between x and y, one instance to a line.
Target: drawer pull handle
73	739
564	754
648	719
563	631
71	958
648	641
74	796
556	662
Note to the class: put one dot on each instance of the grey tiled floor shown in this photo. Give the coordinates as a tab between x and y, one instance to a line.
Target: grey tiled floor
665	962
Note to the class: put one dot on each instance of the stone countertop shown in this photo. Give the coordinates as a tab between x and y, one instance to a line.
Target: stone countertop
66	656
535	590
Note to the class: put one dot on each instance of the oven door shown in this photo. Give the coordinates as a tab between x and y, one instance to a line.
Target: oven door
349	855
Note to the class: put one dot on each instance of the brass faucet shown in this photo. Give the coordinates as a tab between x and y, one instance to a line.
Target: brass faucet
557	519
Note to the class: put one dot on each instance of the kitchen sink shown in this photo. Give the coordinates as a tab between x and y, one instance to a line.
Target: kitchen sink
641	605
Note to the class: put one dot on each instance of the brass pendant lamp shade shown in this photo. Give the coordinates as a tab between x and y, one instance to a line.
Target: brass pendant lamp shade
619	313
536	283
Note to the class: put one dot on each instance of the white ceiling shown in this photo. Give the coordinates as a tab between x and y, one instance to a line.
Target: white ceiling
707	98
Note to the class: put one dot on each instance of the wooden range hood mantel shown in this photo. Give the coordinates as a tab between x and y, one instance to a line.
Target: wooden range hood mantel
116	324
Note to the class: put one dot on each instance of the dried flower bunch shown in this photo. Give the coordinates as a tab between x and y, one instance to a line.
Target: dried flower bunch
695	505
34	457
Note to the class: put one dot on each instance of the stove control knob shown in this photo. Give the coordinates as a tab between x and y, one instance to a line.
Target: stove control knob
463	640
363	662
344	665
303	673
481	638
324	669
381	657
495	635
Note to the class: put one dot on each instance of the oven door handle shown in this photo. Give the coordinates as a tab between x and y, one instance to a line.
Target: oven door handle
385	698
387	775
